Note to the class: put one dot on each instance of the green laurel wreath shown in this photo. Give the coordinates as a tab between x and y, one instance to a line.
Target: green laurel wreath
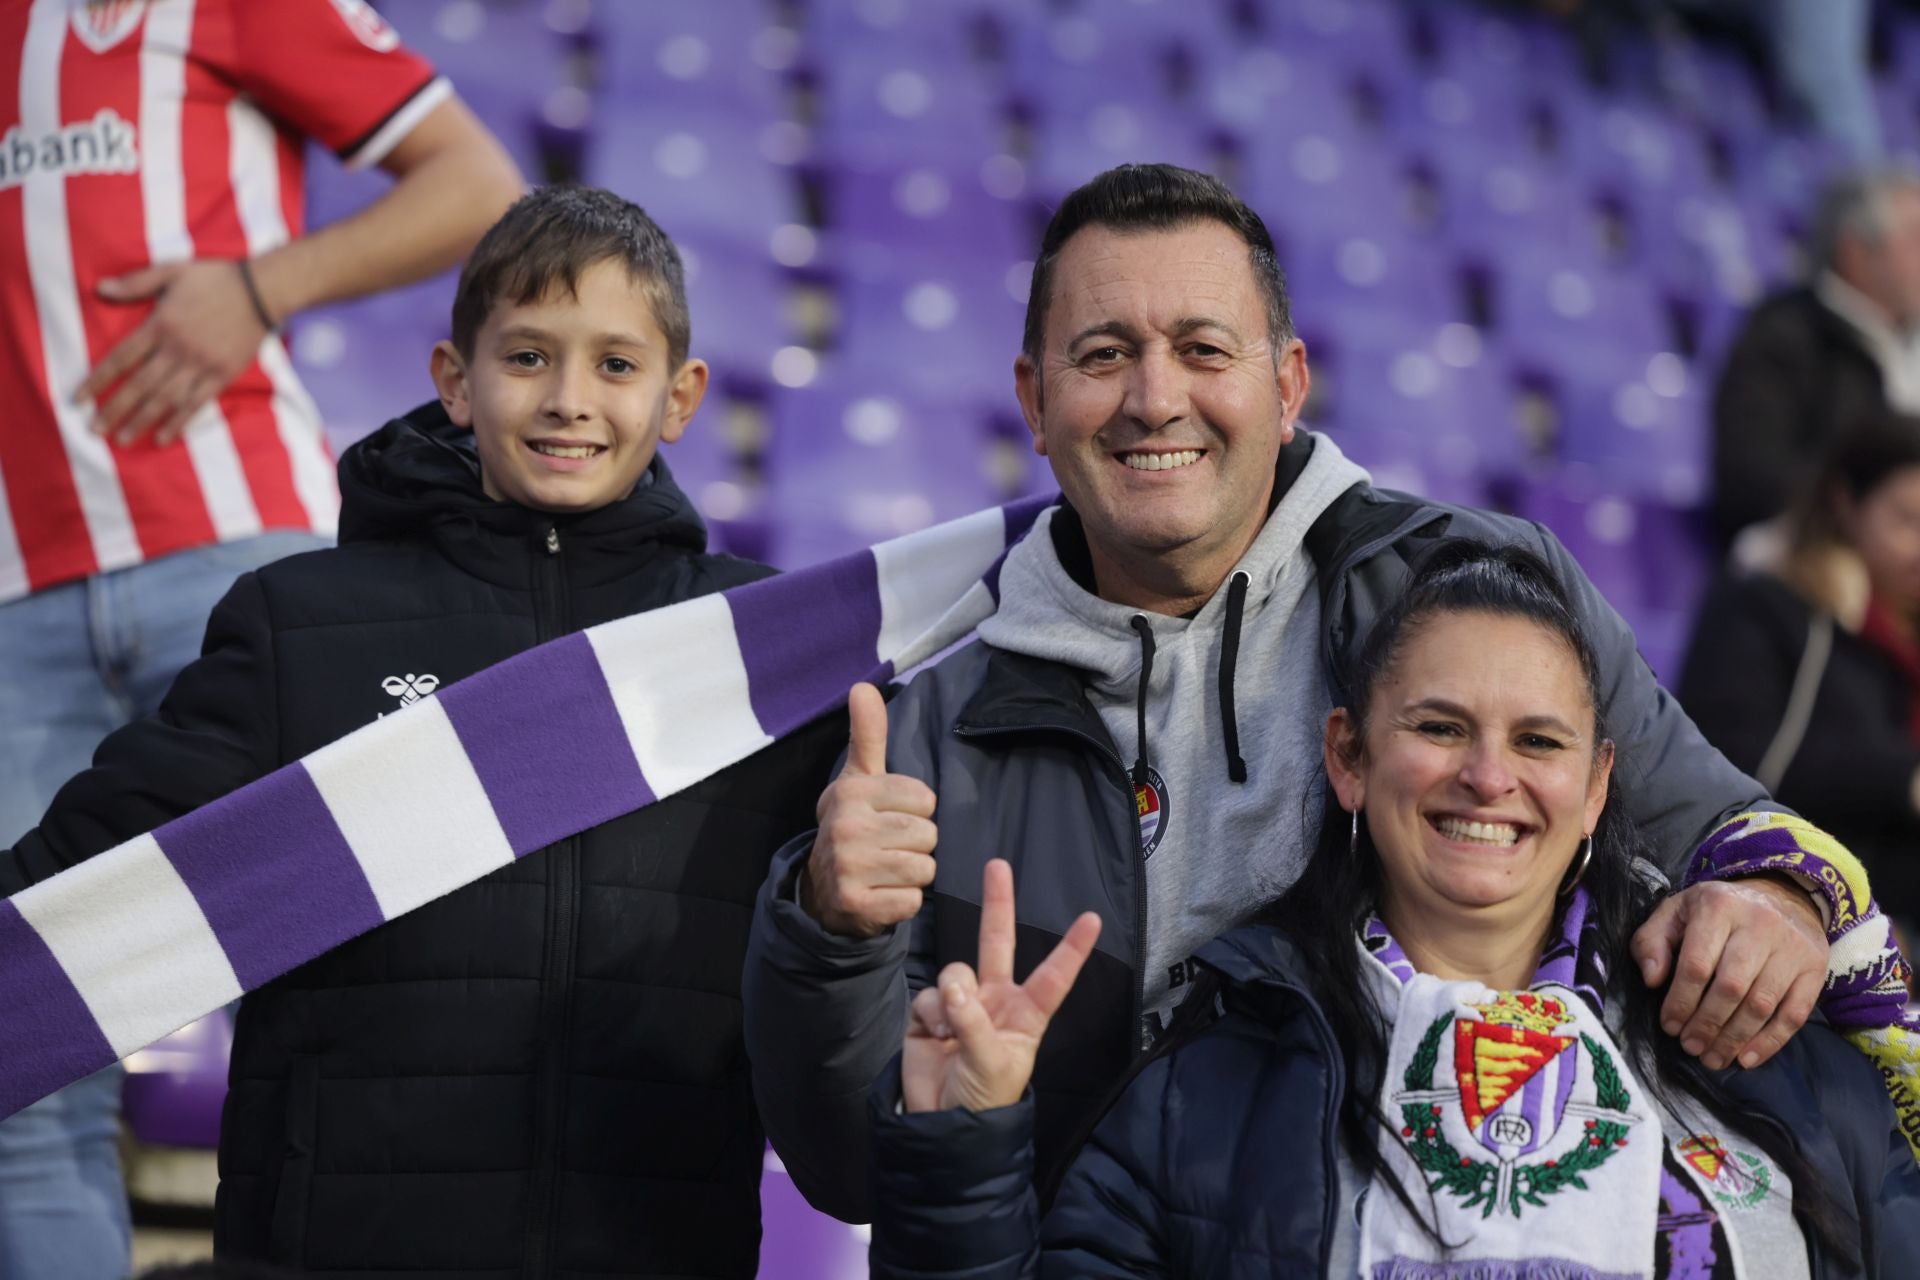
1474	1180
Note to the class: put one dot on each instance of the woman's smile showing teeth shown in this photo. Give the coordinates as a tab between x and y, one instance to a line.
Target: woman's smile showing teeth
1167	461
1498	835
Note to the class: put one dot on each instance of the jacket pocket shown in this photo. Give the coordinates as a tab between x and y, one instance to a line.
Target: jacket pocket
295	1188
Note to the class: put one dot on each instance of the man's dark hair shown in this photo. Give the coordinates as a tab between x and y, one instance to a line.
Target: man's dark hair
1155	197
550	237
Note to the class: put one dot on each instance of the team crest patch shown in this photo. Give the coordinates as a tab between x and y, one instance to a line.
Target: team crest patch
1735	1179
1150	803
367	26
1541	1109
102	24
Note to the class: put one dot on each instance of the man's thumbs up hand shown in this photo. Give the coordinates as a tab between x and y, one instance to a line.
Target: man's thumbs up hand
874	852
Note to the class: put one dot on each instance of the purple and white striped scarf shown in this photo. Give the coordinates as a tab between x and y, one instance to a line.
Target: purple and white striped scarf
114	953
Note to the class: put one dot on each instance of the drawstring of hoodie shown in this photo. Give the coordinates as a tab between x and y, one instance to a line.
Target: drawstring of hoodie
1229	657
1229	654
1141	625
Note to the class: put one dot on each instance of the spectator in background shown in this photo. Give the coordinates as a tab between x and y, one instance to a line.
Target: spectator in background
1843	346
157	442
1805	662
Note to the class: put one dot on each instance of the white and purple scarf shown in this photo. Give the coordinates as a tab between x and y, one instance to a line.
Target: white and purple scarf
114	953
1544	1159
1541	1153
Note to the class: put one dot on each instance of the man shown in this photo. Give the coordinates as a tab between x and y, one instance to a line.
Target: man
1820	355
158	443
1190	608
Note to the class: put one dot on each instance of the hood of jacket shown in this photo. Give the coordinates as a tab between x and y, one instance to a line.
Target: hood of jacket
419	477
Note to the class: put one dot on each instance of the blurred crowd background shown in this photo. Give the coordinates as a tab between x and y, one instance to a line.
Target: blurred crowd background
1520	243
1546	257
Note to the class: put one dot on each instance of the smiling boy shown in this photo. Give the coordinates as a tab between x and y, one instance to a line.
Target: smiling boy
541	1073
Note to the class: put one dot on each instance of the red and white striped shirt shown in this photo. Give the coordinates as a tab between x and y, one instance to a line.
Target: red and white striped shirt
141	132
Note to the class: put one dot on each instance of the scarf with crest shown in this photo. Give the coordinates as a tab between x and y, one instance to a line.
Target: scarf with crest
1541	1155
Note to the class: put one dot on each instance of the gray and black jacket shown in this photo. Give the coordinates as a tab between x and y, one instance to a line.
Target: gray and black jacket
1025	769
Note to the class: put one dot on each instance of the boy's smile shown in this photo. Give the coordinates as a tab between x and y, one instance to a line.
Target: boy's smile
569	395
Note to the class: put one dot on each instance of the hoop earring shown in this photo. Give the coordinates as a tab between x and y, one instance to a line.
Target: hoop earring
1586	858
1353	836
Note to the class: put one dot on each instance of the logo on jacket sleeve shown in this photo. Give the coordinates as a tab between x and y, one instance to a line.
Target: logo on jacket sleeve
1150	803
368	27
410	688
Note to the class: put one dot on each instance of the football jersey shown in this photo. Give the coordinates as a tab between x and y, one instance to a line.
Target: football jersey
143	132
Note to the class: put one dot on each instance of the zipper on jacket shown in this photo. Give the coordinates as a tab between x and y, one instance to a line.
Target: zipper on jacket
1138	1034
552	619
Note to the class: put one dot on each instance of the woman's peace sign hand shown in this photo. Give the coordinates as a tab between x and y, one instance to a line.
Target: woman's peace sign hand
971	1039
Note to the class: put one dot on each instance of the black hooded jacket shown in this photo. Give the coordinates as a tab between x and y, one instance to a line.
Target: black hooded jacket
541	1074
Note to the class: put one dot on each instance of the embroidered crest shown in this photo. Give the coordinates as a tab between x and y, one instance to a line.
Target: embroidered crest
1150	803
1513	1081
368	27
102	24
1734	1179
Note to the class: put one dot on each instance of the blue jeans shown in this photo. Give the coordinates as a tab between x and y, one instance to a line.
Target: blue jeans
77	661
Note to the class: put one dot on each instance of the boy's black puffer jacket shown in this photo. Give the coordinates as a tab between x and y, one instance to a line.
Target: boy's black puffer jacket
541	1074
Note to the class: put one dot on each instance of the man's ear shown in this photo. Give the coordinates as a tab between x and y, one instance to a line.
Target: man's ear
1295	383
684	394
1341	748
449	370
1026	385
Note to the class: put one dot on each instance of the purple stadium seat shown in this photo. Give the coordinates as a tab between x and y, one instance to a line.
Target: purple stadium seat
695	171
1555	313
888	108
849	465
366	362
1424	403
1361	280
1314	185
948	330
717	56
175	1087
799	1244
893	219
505	60
1649	560
738	299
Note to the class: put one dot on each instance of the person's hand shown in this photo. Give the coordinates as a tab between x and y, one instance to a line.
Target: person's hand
971	1039
874	853
202	334
1748	960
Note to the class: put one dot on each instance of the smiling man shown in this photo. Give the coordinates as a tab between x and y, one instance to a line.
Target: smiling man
1138	728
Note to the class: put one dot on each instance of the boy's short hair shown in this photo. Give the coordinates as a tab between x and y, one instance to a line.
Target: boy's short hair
549	237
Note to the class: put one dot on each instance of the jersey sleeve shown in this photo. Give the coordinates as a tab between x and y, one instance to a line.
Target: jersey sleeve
336	71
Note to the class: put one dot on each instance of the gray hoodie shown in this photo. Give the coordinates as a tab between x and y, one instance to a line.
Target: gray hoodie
1217	848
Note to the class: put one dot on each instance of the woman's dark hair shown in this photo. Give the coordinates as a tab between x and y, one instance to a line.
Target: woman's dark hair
1323	913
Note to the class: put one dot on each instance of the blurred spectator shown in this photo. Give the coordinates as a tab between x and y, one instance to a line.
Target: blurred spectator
1815	50
1805	662
1843	346
150	211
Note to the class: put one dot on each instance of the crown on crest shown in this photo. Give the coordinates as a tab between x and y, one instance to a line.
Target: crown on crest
1528	1010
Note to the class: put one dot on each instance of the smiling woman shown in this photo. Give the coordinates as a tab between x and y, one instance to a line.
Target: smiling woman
1432	1057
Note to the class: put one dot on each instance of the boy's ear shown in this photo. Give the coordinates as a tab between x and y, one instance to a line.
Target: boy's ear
450	381
684	394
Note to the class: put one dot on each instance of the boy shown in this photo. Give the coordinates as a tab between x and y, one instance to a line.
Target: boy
542	1073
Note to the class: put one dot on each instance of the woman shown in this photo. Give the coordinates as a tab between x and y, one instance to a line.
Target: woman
1418	1066
1805	669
